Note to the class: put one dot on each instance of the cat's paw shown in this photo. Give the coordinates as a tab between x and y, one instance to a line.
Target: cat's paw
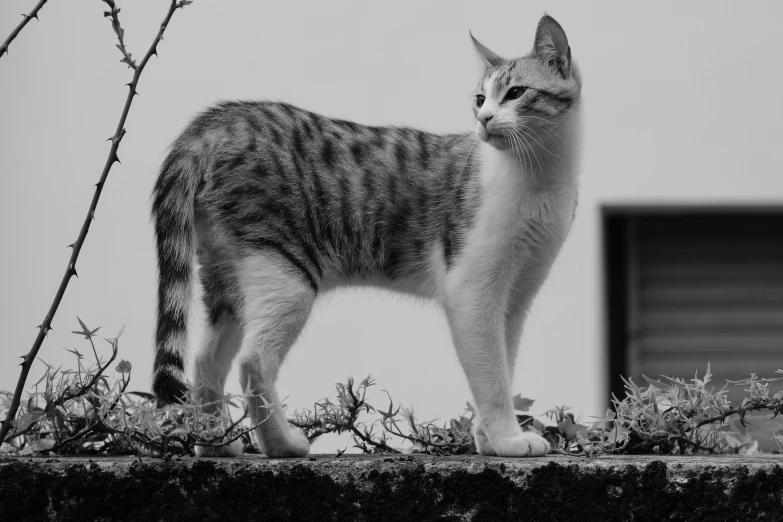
294	445
527	444
230	450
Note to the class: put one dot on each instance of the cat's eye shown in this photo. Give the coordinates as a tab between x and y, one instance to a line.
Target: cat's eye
514	93
480	100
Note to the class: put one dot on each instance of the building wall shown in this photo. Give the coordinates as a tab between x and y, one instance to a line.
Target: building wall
681	104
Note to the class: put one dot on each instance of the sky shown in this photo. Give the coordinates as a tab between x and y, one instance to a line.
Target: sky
681	104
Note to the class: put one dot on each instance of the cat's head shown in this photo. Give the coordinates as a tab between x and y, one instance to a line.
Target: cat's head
521	102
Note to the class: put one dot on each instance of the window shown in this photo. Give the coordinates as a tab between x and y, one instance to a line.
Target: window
685	286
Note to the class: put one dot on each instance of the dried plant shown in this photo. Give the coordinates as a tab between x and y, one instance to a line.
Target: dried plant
344	415
70	271
83	410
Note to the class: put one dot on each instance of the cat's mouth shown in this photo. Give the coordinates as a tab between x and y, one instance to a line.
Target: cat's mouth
496	139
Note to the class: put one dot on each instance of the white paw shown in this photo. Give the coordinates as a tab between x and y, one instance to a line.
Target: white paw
231	450
528	444
294	445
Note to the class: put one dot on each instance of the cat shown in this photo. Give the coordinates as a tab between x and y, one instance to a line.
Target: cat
280	205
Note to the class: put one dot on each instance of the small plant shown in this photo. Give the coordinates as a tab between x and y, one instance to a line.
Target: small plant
345	416
83	411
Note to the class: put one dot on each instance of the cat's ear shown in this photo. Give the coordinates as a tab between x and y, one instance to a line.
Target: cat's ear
490	59
551	45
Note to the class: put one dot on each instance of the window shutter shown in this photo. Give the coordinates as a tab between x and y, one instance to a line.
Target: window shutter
705	287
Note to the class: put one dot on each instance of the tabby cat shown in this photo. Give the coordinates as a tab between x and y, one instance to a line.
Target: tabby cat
280	205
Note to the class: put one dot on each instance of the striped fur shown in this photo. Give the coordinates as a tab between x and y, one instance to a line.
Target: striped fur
279	205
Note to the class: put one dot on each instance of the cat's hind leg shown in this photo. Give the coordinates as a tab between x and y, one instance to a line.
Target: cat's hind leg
276	303
219	347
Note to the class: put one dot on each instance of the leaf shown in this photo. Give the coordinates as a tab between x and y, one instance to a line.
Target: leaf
124	366
524	420
143	395
618	435
656	384
391	413
86	332
75	352
521	403
24	421
41	445
569	429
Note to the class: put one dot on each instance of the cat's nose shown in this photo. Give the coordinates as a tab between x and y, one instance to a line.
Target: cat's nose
484	118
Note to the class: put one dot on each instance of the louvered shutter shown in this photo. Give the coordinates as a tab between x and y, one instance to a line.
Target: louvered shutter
705	287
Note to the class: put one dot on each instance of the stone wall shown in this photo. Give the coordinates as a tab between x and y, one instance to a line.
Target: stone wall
399	488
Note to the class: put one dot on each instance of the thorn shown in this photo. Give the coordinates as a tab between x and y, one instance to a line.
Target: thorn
70	246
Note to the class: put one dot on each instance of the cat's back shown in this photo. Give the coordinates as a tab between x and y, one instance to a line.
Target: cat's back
342	197
250	126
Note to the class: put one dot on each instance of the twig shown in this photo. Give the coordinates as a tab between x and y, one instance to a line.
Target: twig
26	18
120	32
366	438
98	423
70	271
67	395
773	407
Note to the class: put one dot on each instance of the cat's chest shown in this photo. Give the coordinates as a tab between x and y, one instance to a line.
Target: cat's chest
512	203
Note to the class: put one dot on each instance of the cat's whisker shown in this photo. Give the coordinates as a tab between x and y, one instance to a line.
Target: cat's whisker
522	149
533	130
533	152
467	159
545	126
539	141
526	147
463	140
515	148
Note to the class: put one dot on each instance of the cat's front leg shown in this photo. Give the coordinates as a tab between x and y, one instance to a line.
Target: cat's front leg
477	319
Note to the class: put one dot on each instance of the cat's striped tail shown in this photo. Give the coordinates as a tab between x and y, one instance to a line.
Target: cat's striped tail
173	218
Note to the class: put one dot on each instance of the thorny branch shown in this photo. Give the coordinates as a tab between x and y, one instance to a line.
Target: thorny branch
25	18
120	32
70	271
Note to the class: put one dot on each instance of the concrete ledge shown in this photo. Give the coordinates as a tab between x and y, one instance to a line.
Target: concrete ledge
395	488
